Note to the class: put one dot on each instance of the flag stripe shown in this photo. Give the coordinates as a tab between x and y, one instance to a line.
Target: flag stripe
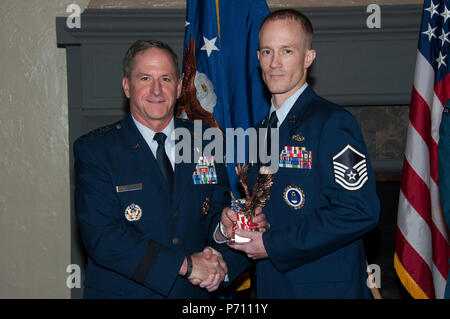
439	244
414	265
417	194
410	284
441	90
436	114
420	118
417	155
424	78
419	236
437	214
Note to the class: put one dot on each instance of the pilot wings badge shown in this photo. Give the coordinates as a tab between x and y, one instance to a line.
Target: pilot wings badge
350	169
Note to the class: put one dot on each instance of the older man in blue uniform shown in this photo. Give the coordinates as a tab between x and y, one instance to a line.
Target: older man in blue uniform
444	172
323	198
143	220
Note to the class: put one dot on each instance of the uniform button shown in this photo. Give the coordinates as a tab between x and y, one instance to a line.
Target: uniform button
118	126
176	241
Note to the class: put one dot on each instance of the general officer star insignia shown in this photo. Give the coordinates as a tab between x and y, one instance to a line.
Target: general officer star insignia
350	169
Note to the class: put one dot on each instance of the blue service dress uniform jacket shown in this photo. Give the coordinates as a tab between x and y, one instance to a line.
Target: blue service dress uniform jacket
444	175
136	233
318	209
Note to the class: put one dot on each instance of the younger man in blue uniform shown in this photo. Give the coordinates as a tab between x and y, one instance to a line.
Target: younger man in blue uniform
323	197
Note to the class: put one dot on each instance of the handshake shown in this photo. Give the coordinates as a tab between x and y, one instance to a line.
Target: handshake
207	268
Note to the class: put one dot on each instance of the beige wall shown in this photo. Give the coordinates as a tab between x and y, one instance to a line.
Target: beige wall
34	160
271	3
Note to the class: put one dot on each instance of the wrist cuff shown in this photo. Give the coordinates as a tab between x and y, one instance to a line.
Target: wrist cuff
189	267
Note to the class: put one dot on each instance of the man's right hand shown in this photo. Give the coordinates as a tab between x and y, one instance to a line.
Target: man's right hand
208	269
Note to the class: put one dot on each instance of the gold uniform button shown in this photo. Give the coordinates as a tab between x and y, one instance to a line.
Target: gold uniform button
176	241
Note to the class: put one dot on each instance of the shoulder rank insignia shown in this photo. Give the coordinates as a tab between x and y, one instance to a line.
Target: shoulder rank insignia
133	213
205	171
295	157
294	196
350	170
103	130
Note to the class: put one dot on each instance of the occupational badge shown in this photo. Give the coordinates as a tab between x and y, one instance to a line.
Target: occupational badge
245	208
205	171
295	157
133	213
294	196
298	137
350	169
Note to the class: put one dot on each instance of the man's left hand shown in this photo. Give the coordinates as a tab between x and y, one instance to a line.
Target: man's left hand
254	248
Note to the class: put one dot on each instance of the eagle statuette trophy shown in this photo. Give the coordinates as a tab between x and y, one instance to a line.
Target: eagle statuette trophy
245	207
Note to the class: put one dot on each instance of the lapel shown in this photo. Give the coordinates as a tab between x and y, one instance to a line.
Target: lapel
293	120
143	158
183	171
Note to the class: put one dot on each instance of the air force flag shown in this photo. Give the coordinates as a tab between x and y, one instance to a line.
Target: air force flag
350	170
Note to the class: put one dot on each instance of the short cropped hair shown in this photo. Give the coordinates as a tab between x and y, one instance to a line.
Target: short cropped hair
291	14
141	46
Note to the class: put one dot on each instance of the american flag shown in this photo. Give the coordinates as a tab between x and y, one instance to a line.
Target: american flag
422	248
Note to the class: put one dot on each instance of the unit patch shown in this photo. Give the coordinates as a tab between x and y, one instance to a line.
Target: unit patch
205	171
350	169
295	157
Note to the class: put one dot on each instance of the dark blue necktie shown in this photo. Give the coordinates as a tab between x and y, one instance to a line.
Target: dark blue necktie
272	124
163	160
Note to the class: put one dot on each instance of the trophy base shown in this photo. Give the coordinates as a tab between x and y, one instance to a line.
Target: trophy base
239	239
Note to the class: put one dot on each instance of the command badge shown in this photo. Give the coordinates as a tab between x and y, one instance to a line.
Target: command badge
133	213
294	196
350	170
205	172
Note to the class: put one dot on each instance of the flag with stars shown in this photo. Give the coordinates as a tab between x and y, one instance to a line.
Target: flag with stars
422	247
228	80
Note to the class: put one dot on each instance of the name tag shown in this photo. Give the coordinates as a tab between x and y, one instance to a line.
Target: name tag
129	188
